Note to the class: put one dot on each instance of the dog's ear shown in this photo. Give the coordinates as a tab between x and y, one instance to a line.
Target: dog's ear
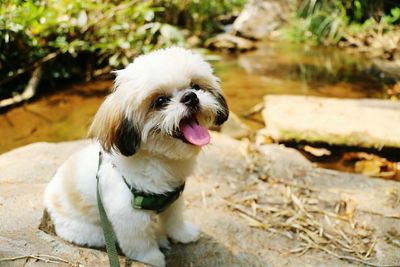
113	130
223	113
127	138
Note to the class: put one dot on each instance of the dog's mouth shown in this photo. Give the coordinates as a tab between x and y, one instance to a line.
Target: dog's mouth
191	132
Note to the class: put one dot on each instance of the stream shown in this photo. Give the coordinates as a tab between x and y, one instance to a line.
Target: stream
274	68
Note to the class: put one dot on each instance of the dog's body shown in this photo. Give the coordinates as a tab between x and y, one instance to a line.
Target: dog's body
150	129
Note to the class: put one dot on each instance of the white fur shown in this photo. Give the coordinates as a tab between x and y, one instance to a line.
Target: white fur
161	163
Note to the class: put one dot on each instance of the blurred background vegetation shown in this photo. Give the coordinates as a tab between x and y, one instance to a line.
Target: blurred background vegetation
329	22
77	37
82	39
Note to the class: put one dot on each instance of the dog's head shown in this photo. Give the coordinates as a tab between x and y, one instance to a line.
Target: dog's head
164	102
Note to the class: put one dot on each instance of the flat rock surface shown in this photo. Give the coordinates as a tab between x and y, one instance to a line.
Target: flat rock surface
234	127
255	206
369	123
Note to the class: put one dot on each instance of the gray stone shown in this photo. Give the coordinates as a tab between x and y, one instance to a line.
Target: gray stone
229	42
234	127
259	18
34	163
223	174
369	123
284	162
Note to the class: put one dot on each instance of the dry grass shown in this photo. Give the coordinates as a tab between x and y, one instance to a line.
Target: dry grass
300	213
41	257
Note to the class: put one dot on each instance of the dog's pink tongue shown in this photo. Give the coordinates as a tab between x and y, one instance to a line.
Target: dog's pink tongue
195	133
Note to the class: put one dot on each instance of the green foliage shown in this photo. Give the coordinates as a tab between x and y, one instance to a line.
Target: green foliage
393	17
320	21
97	33
199	16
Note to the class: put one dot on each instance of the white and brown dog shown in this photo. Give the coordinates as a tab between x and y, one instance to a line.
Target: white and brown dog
150	129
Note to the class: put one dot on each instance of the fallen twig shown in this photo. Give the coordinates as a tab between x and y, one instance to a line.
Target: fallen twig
237	207
395	216
37	64
28	93
300	213
349	258
303	213
40	257
305	187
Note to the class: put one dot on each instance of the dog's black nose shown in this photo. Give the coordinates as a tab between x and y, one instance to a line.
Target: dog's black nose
190	99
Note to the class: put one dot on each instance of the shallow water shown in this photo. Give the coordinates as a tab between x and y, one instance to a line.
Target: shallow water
245	78
295	69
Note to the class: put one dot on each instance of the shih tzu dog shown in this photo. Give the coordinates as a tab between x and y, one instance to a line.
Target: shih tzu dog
149	131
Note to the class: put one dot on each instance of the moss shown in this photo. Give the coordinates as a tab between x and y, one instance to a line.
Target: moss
353	139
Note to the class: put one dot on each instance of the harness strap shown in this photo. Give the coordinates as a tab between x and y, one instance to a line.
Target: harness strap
152	201
140	200
108	232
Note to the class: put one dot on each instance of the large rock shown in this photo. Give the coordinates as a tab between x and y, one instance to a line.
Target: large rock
229	173
230	43
234	127
368	123
259	18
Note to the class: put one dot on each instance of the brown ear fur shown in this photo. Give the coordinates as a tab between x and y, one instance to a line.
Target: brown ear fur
222	115
113	130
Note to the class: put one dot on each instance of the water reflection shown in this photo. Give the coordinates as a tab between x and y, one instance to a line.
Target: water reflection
246	78
294	69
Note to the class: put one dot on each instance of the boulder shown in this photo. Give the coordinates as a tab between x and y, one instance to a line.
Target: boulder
234	127
368	123
237	195
230	43
259	18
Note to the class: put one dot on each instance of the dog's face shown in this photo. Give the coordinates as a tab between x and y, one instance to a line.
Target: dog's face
163	103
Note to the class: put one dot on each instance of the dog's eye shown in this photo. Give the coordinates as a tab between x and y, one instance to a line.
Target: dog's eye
196	87
161	101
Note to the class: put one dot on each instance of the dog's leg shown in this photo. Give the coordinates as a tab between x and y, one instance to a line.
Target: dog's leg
136	236
176	227
162	238
134	229
79	232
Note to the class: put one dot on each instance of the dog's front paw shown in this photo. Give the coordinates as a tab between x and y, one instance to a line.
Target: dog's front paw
153	257
163	242
185	234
